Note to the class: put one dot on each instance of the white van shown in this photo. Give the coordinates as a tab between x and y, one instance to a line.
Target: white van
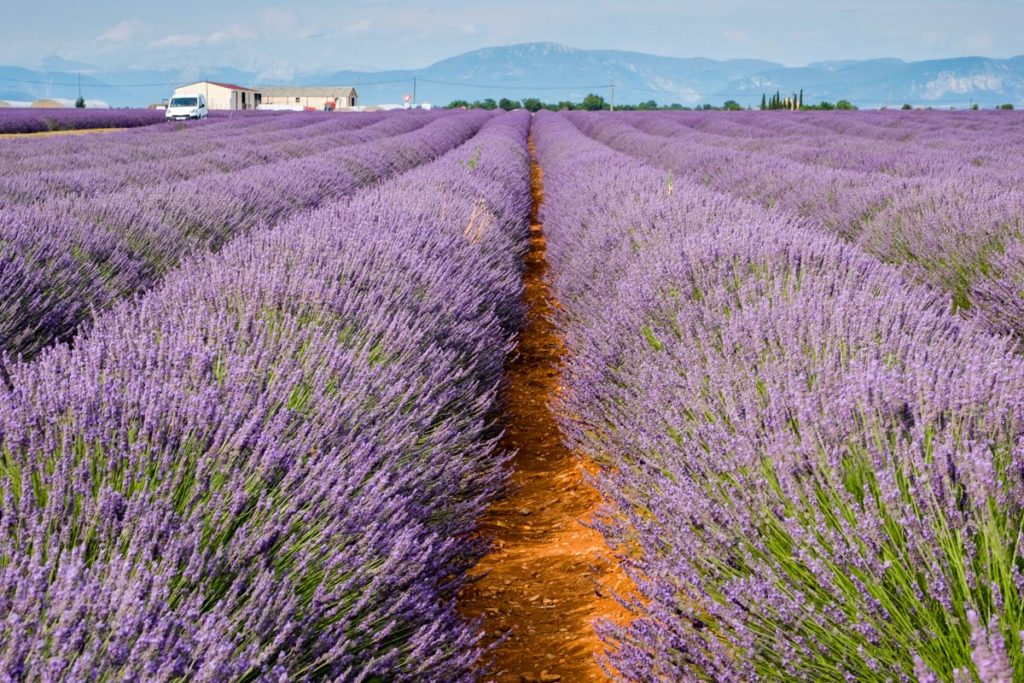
186	107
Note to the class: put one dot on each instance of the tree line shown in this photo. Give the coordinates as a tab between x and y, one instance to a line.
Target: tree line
593	102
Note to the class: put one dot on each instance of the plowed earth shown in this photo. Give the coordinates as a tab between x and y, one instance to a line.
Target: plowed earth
550	576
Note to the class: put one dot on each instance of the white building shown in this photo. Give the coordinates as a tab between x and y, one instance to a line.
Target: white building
221	95
231	96
316	97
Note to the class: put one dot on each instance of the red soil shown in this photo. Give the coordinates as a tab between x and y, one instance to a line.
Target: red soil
549	576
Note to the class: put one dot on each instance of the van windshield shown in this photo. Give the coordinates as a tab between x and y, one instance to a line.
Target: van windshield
184	101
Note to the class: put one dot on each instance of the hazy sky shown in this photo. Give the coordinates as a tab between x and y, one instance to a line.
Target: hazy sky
280	38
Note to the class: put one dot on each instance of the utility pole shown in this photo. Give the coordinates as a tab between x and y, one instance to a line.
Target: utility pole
414	92
79	85
612	86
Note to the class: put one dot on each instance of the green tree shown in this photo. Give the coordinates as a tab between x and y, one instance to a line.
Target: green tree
567	105
845	105
649	104
488	104
906	107
800	103
456	104
508	105
764	101
80	102
1006	106
593	102
974	107
532	104
826	106
732	105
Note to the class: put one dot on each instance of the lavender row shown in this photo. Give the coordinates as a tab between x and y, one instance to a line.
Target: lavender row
266	469
814	468
38	120
950	131
149	158
867	142
987	154
59	263
957	234
61	151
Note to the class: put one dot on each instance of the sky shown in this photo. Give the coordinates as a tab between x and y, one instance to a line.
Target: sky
280	39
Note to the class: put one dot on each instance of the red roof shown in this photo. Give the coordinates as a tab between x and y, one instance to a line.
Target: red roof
229	86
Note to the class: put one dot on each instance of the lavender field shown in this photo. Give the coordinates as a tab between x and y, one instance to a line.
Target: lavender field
252	370
40	120
794	350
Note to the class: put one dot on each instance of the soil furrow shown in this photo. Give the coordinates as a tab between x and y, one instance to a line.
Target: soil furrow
549	576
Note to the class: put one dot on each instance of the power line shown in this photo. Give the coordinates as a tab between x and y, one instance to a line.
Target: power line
502	86
353	85
91	85
171	84
410	80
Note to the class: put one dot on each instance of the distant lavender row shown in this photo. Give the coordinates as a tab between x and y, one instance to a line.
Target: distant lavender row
950	229
14	120
160	156
61	261
984	145
267	468
61	152
815	468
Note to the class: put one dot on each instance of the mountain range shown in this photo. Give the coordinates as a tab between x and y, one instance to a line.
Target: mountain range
556	72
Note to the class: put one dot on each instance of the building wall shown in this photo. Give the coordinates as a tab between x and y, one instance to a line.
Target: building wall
218	97
315	102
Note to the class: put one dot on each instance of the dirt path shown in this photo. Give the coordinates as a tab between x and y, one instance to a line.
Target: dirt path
49	133
550	576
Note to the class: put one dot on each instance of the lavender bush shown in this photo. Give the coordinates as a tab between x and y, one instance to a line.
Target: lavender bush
63	258
815	467
83	167
38	120
947	222
267	467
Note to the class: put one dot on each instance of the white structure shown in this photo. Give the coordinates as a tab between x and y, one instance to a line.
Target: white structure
315	97
230	96
221	95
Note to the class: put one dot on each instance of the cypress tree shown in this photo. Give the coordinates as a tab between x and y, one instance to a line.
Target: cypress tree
764	102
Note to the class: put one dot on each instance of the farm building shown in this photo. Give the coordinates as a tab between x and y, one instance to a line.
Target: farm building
230	96
309	97
221	95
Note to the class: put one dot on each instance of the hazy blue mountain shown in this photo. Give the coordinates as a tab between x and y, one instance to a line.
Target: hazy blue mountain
880	82
555	72
121	88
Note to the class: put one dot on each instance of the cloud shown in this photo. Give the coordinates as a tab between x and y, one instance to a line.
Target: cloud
361	26
979	42
229	35
736	36
279	72
124	32
178	40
